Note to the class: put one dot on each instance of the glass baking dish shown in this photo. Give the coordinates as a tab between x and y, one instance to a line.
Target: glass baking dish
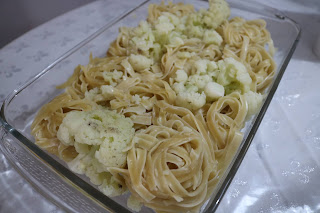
50	176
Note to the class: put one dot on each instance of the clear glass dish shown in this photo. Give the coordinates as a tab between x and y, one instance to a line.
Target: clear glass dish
50	175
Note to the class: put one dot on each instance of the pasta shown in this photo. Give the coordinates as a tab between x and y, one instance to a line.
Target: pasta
188	80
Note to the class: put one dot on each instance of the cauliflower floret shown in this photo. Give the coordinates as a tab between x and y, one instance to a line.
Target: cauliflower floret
204	66
91	93
110	131
100	137
187	90
82	148
84	163
95	176
79	164
112	153
201	66
136	99
139	62
212	37
105	181
134	204
94	94
191	100
107	91
181	76
176	39
197	23
69	128
213	91
156	51
142	38
164	25
178	87
110	186
173	18
218	12
193	90
192	30
142	29
254	101
210	81
199	81
233	76
112	77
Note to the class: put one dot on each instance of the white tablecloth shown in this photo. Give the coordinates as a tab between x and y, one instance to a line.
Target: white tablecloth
274	176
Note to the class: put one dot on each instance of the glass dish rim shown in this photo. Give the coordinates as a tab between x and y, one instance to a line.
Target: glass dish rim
85	187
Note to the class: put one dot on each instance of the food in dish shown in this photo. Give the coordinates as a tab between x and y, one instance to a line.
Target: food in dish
161	114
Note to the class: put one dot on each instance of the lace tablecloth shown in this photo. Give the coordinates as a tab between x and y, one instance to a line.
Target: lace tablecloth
281	171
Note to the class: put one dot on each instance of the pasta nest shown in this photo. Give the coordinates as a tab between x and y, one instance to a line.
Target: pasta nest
170	168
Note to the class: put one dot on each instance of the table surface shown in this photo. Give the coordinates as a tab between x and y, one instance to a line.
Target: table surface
268	180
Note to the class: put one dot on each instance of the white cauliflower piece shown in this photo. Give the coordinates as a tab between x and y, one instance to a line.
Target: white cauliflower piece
82	148
211	66
166	34
143	38
210	81
233	76
197	23
164	25
69	128
112	77
110	131
200	81
218	12
79	164
194	25
110	186
204	66
201	66
95	176
112	154
213	91
187	90
254	101
212	37
181	76
175	39
165	29
101	138
140	62
193	90
178	87
105	181
156	52
85	163
134	204
173	18
107	91
93	94
191	100
136	99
